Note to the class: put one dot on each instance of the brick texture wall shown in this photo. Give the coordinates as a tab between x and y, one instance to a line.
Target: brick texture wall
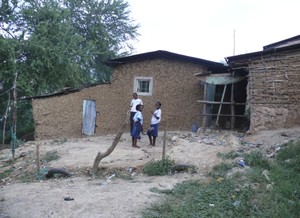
174	84
274	91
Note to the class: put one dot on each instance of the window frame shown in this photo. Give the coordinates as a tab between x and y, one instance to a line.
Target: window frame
136	85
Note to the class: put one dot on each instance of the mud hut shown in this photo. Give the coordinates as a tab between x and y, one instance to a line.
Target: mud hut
273	88
158	75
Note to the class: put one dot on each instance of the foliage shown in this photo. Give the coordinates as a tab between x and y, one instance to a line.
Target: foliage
193	199
255	158
159	167
50	156
6	173
229	155
56	44
221	170
41	174
249	194
53	44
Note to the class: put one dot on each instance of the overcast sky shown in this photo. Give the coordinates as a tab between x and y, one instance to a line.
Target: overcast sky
205	28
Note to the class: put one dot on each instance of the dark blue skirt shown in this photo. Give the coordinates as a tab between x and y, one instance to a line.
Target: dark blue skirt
136	130
153	130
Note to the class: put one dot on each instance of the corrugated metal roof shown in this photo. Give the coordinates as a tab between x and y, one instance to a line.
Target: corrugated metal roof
64	91
286	42
283	45
211	65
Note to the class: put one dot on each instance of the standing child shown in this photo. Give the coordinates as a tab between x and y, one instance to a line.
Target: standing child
134	102
155	120
137	125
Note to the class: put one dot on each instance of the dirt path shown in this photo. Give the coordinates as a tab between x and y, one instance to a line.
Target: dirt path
124	195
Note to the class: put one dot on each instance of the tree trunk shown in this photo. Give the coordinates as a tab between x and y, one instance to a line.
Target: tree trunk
5	118
100	155
14	129
164	142
15	103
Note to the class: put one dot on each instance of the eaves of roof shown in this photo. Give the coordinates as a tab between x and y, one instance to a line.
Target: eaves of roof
64	91
245	57
276	44
211	65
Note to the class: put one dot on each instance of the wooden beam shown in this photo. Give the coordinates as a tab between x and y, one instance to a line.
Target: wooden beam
221	79
217	102
204	106
232	122
223	115
220	106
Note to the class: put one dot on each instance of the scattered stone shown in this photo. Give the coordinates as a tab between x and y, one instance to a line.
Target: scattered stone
278	149
22	154
284	134
266	174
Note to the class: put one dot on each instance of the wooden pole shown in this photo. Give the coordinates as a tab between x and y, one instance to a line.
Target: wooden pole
164	142
204	107
38	162
220	107
232	122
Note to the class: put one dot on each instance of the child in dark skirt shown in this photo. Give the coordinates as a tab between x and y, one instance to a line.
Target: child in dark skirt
155	120
137	126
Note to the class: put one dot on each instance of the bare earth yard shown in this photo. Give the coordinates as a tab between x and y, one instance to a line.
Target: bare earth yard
122	190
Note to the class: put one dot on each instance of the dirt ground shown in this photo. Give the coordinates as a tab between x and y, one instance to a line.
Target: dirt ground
121	189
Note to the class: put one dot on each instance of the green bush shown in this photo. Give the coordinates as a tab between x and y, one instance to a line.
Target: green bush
221	170
158	168
50	156
256	159
6	173
229	155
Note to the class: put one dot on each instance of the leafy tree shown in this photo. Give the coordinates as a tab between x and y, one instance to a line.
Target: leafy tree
52	44
65	42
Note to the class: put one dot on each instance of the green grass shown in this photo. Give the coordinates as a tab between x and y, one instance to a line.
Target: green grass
246	194
5	174
221	170
229	155
158	168
50	156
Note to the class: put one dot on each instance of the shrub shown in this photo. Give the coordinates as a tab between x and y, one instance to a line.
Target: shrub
158	168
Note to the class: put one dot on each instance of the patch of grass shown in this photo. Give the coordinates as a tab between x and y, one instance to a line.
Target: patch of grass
256	159
158	168
50	156
6	173
161	191
59	141
247	194
26	178
41	174
193	199
229	155
221	170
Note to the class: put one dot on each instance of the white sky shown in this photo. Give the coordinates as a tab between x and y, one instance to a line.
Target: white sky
205	28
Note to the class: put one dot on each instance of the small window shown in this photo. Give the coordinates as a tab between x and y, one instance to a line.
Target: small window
143	85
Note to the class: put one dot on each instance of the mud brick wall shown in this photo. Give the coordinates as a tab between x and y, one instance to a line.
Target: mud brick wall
274	91
174	84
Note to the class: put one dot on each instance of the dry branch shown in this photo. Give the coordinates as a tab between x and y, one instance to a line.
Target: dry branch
114	144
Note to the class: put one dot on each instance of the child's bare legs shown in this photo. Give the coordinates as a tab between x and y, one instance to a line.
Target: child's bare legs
150	139
134	141
154	139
